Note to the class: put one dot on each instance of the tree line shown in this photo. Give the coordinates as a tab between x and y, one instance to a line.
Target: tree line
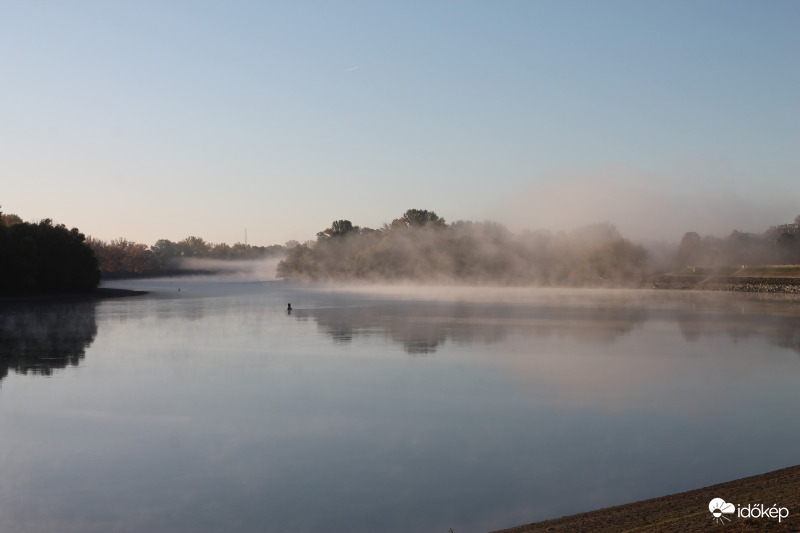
777	246
44	258
421	246
418	246
120	257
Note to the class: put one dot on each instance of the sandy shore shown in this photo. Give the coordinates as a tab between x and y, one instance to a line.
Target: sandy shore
688	511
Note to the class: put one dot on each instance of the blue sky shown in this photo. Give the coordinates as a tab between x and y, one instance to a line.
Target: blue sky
150	120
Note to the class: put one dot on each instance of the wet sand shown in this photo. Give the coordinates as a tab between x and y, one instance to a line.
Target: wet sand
688	511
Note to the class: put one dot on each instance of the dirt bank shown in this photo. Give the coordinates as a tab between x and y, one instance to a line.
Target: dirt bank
689	511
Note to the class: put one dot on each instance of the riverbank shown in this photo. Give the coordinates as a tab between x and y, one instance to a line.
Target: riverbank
689	511
100	293
728	283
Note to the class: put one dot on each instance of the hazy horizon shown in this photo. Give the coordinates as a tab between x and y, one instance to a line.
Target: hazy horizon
150	121
657	231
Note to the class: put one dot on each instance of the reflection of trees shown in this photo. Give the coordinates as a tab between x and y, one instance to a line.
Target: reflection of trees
422	327
41	337
781	331
596	318
417	335
742	316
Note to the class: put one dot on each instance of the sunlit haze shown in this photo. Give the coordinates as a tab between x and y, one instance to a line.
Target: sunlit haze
149	120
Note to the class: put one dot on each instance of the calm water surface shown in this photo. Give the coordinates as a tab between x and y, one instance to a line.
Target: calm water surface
212	409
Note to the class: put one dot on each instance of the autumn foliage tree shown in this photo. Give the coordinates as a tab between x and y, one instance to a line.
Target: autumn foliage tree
121	256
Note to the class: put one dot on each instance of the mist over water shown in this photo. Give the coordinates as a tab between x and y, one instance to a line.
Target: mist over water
231	269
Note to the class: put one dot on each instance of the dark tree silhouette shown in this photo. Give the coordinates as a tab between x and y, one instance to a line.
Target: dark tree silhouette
338	229
418	218
43	258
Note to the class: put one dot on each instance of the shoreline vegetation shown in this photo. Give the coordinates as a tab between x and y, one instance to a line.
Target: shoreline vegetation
689	511
418	247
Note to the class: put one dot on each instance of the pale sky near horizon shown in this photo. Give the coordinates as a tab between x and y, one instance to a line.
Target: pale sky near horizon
148	120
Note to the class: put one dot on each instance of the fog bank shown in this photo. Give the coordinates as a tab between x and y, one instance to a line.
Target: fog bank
231	269
664	211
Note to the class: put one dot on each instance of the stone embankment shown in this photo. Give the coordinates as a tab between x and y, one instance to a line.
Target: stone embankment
730	283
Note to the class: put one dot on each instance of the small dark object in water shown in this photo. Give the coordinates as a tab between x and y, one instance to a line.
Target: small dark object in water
289	309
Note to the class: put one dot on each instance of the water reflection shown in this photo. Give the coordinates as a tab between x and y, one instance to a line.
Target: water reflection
423	327
781	331
420	331
40	337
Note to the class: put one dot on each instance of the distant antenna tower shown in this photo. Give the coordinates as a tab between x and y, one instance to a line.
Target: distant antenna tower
245	236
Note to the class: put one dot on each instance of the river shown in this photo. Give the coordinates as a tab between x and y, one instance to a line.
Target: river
205	406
